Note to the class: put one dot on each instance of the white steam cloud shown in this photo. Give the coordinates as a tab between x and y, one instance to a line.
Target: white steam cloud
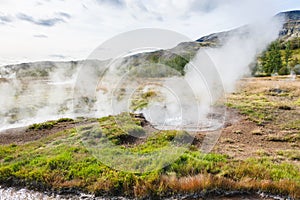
182	101
212	73
233	59
34	99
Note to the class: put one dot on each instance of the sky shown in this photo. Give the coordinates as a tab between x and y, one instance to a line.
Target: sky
62	30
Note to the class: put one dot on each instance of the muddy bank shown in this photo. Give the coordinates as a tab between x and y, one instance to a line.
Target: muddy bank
38	131
13	193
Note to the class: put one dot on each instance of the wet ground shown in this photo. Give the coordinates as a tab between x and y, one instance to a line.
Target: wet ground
24	194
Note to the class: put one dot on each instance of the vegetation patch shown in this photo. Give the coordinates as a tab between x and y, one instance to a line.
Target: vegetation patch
286	138
256	106
290	154
65	120
293	125
297	103
280	58
142	99
41	126
62	161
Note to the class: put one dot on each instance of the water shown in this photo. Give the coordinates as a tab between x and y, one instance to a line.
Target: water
24	194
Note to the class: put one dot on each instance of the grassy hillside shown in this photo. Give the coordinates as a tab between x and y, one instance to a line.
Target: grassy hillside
281	57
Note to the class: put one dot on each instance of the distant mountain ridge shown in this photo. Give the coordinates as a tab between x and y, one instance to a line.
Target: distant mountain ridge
293	15
290	29
291	26
176	57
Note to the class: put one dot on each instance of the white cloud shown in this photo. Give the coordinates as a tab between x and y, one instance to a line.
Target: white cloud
87	23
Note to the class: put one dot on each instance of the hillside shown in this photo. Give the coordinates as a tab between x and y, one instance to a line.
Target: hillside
274	60
289	31
176	57
291	27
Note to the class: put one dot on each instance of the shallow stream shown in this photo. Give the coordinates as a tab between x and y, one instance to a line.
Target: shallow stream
24	194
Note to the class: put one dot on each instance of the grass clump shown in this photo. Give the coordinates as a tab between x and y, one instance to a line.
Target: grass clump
286	138
65	120
297	103
41	126
49	124
293	125
290	154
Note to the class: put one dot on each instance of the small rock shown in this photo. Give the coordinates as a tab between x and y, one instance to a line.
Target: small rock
257	132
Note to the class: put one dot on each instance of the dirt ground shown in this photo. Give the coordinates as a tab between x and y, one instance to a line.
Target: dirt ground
238	139
24	135
241	137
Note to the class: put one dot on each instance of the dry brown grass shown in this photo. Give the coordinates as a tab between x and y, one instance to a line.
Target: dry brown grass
143	188
54	179
76	183
101	185
197	183
205	182
263	85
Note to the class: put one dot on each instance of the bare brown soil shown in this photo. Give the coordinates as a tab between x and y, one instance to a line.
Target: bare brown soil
242	138
25	135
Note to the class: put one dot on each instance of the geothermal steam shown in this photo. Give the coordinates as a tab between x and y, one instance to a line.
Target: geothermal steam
212	73
181	101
